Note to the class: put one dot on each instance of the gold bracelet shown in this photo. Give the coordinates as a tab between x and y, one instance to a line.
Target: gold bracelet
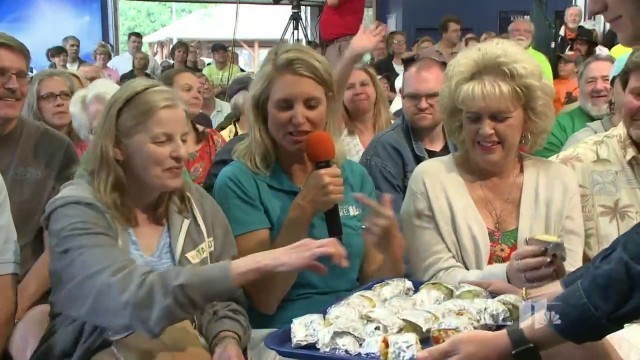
525	294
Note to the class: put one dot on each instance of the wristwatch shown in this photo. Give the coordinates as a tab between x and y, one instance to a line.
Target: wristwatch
523	349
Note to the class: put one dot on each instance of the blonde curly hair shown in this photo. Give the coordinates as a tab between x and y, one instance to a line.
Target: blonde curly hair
492	72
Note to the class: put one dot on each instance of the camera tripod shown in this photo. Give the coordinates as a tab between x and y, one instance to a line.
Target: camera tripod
297	24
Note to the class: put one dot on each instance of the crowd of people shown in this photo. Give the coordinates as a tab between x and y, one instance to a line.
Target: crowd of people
143	216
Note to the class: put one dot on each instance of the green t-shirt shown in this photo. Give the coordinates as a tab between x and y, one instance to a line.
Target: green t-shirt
544	63
254	201
221	78
567	124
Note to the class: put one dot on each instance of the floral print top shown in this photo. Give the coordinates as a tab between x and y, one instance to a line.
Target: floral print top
502	245
607	166
199	161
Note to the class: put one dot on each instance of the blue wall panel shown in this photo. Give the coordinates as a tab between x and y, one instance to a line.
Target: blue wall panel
421	17
41	24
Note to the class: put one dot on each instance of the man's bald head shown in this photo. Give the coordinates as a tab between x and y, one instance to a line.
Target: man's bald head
423	65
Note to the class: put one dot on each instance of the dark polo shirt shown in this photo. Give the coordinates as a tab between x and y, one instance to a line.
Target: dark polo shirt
35	161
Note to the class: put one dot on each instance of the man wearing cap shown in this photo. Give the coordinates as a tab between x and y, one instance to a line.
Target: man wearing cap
610	120
566	85
418	135
585	42
221	71
238	85
224	157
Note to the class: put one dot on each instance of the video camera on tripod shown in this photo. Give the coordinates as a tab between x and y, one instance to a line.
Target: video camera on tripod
296	22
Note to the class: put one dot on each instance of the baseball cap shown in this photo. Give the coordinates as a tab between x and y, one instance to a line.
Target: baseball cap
238	84
618	66
572	57
219	47
586	34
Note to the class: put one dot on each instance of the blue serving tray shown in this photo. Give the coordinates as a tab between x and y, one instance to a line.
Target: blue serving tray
280	340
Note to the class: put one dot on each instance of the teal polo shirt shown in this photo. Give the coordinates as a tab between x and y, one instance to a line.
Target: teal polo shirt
254	201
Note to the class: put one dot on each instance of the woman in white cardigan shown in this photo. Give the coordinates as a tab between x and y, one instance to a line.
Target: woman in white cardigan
467	216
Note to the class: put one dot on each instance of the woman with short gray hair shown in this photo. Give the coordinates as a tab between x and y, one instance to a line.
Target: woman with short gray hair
87	105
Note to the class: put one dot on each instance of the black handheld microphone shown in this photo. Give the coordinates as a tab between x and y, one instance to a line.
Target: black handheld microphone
320	151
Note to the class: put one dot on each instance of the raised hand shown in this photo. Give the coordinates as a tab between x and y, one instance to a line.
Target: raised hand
366	39
381	226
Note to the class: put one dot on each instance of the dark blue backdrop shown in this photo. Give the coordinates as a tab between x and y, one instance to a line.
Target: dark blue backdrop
41	24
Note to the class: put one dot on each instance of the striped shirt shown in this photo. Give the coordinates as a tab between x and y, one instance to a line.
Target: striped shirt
162	257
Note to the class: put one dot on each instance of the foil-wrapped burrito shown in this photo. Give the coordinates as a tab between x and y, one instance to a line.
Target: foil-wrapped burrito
330	339
470	292
392	288
371	346
385	317
304	330
552	245
370	296
342	312
419	322
355	328
428	297
400	304
446	290
400	347
513	304
447	328
457	308
351	308
491	313
374	329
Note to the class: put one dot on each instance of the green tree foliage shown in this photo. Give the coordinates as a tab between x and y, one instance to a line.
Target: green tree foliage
146	17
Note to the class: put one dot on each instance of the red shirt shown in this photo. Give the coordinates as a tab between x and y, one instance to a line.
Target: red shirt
342	20
199	162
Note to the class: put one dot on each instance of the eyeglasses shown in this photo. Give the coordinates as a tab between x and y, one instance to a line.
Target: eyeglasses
399	42
51	96
22	77
416	99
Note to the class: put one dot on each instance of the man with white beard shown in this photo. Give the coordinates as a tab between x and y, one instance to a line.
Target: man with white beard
593	104
522	31
569	30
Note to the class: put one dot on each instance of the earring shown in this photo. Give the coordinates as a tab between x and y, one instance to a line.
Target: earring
525	143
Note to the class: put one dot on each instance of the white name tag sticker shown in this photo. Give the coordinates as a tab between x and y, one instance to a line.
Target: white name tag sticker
201	251
349	210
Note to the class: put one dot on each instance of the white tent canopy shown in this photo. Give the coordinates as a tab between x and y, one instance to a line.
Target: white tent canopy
255	22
